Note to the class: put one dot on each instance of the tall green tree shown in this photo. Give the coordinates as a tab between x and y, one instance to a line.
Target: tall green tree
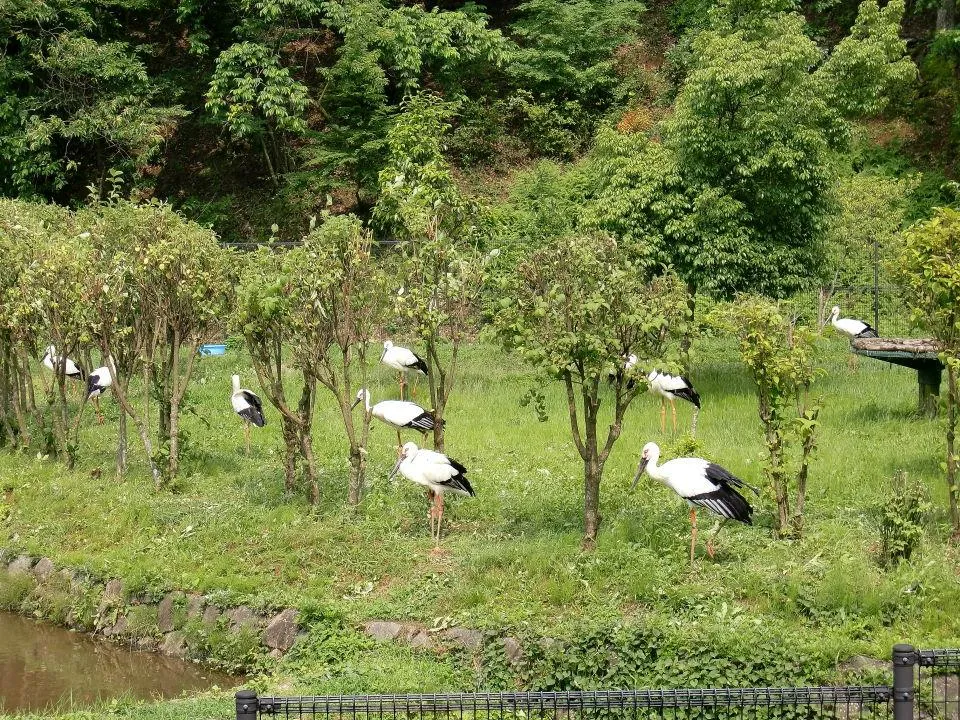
734	189
576	310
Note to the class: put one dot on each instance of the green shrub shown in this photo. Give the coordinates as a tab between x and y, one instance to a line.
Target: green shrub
14	589
902	519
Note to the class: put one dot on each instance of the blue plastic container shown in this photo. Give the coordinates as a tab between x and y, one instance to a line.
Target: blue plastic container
213	349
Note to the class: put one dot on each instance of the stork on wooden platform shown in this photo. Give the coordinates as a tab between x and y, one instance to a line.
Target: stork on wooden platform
853	329
702	484
403	360
670	388
249	407
436	472
398	414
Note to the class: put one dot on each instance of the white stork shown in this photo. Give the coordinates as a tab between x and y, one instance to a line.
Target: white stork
248	406
702	484
403	360
52	362
669	388
436	472
851	327
398	414
98	381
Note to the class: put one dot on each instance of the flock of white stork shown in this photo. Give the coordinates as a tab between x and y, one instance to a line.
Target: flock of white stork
701	483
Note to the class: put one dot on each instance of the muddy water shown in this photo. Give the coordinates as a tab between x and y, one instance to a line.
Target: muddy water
43	666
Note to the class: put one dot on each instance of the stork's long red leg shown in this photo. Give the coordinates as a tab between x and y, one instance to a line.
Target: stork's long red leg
673	407
96	403
663	416
439	501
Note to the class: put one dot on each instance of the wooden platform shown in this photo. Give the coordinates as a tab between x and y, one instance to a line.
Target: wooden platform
919	354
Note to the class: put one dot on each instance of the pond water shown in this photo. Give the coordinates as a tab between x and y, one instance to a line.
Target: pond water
43	666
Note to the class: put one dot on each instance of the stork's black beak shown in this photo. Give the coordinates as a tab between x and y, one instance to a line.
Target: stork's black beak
396	468
355	403
640	468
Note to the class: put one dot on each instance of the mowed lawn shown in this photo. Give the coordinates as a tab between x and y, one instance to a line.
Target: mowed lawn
511	557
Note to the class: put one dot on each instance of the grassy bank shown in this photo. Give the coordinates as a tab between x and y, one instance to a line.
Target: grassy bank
511	560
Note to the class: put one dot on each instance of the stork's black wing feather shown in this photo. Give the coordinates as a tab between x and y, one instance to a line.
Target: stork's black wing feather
254	413
93	383
724	478
420	364
424	421
725	502
867	332
687	393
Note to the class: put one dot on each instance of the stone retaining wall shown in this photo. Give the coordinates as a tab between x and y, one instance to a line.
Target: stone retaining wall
176	625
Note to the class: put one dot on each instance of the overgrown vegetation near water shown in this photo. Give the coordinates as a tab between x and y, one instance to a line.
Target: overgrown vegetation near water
765	612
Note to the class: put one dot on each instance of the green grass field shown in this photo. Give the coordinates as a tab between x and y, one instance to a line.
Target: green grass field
512	560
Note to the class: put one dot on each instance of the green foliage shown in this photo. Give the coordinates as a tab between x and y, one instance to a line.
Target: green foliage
927	266
903	519
576	310
871	213
416	186
15	588
258	99
780	355
564	70
753	129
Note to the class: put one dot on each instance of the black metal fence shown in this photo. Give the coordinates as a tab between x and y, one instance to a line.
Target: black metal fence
924	687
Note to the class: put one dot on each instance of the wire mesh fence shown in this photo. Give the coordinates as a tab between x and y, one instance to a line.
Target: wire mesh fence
925	686
938	684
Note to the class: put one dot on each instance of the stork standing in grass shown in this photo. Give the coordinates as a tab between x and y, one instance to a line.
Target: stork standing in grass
98	381
702	484
670	388
436	472
398	414
403	360
52	362
247	405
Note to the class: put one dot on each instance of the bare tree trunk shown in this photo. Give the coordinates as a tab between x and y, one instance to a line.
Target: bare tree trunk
306	451
592	472
120	392
946	15
358	470
291	451
952	489
809	440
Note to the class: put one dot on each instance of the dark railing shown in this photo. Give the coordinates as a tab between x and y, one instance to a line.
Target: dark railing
938	684
930	694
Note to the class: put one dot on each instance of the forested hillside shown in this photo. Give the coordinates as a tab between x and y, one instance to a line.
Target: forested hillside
250	114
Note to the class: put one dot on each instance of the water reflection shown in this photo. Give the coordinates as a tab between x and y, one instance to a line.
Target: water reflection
41	665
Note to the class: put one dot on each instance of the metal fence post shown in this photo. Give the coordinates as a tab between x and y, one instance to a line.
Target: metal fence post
247	705
904	661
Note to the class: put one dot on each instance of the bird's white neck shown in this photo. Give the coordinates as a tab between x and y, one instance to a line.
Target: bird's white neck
653	470
834	316
366	400
236	383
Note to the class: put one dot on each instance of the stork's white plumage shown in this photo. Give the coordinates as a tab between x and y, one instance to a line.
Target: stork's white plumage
403	360
668	388
247	405
52	361
437	473
399	414
98	381
702	484
851	327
